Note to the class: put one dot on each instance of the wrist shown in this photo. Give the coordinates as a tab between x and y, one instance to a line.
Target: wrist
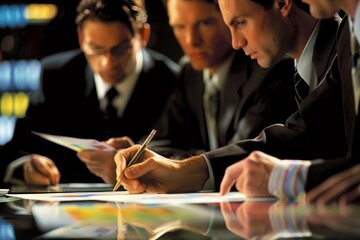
196	171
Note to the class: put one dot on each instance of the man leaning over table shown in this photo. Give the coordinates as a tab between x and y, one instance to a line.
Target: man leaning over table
327	180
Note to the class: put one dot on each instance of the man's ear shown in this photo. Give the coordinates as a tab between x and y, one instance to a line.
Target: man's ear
284	6
145	32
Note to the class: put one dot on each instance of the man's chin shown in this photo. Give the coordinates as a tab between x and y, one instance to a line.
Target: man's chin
114	79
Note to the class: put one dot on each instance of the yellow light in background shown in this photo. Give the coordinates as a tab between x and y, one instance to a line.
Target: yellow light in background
6	104
21	101
40	12
14	104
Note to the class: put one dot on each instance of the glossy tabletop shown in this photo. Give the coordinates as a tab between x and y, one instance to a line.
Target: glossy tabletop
27	219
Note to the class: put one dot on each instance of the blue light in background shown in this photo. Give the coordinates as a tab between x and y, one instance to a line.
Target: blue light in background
21	75
33	71
20	15
7	125
5	76
6	230
13	16
17	79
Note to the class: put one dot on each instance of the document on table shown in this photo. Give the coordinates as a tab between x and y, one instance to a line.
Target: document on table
76	144
62	187
124	196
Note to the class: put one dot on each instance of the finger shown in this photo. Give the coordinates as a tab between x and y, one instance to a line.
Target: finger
32	177
47	168
333	187
84	155
230	218
352	196
134	186
140	169
229	179
121	142
226	211
54	173
121	159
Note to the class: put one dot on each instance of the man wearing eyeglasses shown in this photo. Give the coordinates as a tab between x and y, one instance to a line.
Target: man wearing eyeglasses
112	86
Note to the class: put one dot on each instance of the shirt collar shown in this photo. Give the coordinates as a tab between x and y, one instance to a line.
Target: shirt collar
220	76
356	23
305	64
126	86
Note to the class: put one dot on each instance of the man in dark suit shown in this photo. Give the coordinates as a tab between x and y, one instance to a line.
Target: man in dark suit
343	173
249	97
316	130
343	187
72	100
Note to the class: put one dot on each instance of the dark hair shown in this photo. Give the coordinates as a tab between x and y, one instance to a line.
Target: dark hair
208	1
125	11
268	4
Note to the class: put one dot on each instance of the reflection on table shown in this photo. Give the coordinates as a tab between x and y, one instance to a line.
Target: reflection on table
20	219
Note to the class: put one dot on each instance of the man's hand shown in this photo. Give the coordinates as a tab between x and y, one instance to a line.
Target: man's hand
343	188
101	163
41	170
250	176
250	220
156	174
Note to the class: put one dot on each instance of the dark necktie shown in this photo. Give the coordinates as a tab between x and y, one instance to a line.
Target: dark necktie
301	89
110	110
110	114
211	108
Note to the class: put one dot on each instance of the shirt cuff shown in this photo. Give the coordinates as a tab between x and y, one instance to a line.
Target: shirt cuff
209	185
9	174
288	179
288	221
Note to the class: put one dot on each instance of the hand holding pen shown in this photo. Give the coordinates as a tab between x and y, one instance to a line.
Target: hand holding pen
137	156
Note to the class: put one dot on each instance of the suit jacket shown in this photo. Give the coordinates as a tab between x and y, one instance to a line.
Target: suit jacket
322	169
316	130
67	104
252	98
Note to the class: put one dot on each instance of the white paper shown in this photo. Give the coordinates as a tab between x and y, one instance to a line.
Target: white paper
76	144
124	196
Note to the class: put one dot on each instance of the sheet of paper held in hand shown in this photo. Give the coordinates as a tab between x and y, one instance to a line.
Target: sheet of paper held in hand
76	144
124	196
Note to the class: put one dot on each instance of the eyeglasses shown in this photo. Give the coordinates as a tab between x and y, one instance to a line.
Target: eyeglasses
121	50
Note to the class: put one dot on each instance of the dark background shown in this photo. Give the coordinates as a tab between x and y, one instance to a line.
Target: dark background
34	41
38	40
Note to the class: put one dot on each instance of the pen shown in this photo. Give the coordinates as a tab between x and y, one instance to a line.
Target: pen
137	155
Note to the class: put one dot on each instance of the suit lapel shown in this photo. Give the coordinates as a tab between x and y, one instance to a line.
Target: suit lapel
195	90
89	81
347	86
324	45
238	87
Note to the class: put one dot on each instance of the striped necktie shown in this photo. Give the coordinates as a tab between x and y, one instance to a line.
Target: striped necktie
210	99
355	71
301	89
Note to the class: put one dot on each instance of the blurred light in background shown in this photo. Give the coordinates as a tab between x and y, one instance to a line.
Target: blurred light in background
17	79
6	230
7	125
20	15
20	75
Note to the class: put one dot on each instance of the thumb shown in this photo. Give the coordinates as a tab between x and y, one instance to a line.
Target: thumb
140	169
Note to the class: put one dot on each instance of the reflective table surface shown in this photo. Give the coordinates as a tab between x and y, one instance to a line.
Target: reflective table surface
27	219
